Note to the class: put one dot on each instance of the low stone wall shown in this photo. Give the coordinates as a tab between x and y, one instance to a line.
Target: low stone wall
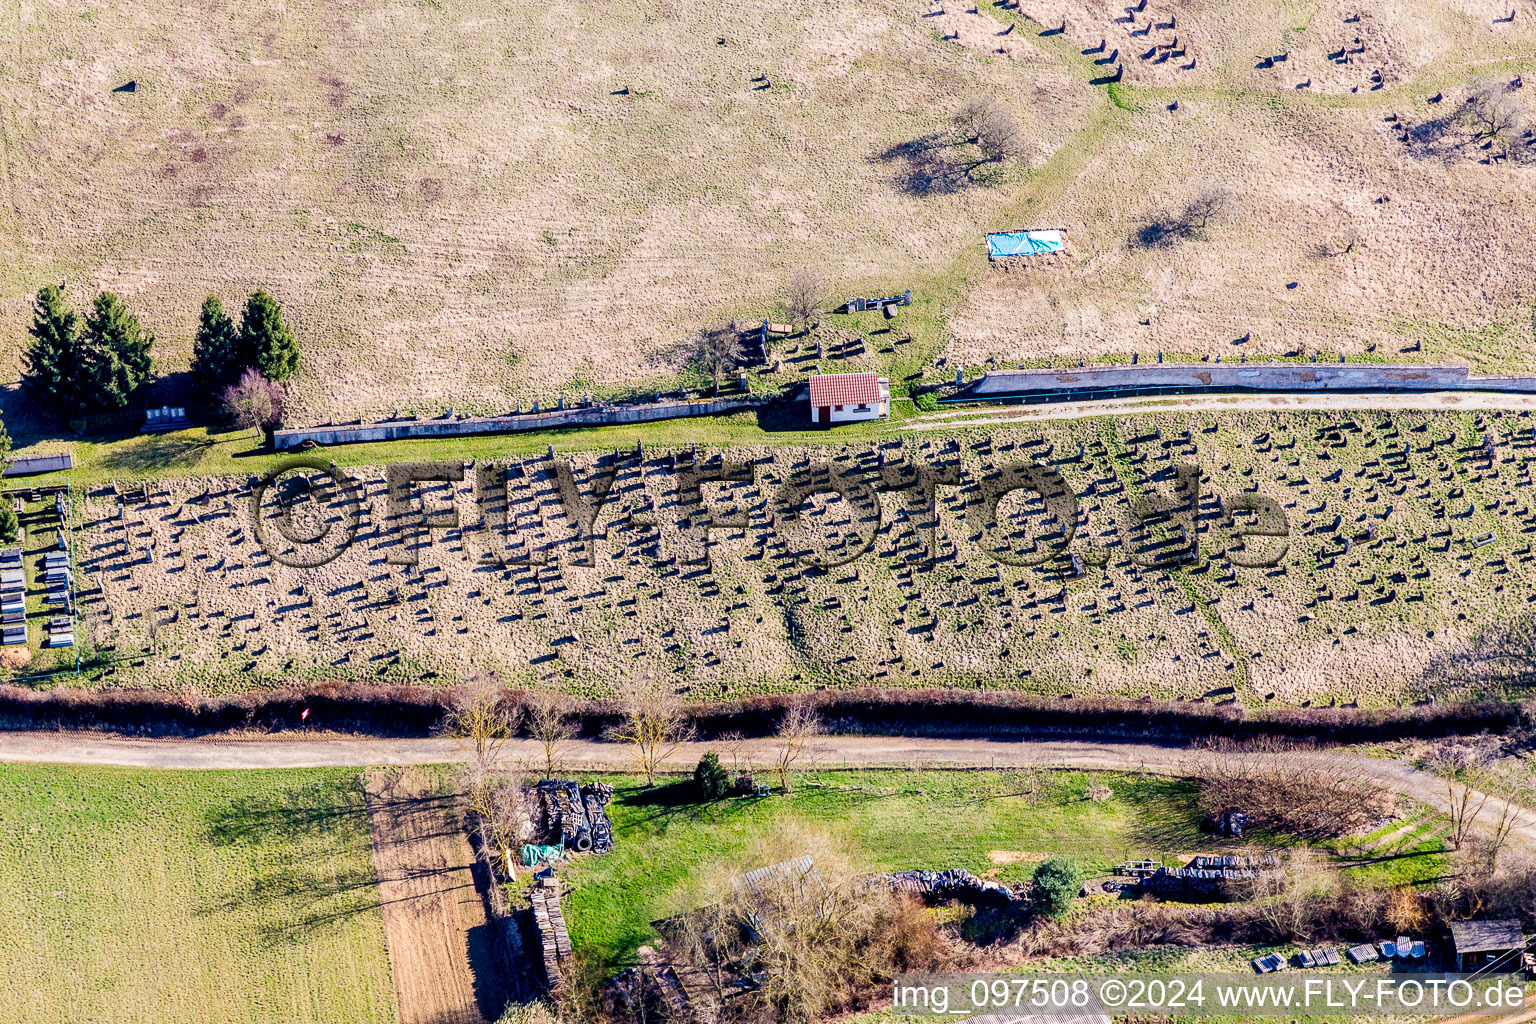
585	416
1237	376
1503	382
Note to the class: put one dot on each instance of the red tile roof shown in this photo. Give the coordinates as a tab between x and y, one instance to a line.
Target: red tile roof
845	389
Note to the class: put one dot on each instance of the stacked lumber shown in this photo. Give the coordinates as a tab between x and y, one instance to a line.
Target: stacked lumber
554	940
667	983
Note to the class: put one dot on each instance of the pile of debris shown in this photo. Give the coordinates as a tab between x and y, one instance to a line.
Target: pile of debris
573	815
949	884
1210	877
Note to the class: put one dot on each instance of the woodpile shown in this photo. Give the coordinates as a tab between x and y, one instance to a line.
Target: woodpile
554	940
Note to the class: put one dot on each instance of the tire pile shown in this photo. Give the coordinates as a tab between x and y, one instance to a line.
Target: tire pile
574	815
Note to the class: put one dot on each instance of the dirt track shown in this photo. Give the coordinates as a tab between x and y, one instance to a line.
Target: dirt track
1429	401
830	752
440	947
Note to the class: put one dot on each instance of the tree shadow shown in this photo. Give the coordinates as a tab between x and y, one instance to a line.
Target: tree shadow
1165	230
926	166
784	416
1500	655
295	888
487	970
154	452
682	793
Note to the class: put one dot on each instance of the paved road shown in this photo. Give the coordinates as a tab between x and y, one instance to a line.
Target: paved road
301	751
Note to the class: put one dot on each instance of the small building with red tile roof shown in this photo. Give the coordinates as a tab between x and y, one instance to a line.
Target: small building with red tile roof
845	397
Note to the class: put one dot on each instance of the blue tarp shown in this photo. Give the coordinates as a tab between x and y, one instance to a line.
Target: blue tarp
1024	243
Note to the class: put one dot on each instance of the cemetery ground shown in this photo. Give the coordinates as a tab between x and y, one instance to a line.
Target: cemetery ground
1407	573
166	897
342	161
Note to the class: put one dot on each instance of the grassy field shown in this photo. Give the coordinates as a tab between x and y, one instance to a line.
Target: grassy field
169	897
891	820
1406	573
884	820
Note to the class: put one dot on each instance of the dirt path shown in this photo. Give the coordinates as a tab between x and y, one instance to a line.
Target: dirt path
1431	401
1525	1016
830	752
441	951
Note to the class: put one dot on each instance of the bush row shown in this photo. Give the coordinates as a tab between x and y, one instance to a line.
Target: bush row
417	711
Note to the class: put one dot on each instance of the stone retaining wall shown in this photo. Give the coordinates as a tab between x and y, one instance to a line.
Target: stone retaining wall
586	416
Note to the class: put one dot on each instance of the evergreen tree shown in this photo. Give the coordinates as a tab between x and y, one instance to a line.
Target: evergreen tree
114	358
216	351
52	359
711	778
1057	883
265	340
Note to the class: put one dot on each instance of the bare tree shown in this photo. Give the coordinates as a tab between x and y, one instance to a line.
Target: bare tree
1474	782
254	402
1461	767
1492	113
799	726
1513	795
1189	224
552	724
654	724
1284	788
498	808
823	932
997	137
1292	900
805	297
1343	245
720	350
479	719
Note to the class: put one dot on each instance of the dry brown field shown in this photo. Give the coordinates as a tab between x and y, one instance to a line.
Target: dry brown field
440	950
456	201
469	203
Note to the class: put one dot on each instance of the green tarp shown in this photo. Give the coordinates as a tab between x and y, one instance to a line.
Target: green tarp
535	855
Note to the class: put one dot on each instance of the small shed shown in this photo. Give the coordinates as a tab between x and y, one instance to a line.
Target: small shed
845	397
1487	945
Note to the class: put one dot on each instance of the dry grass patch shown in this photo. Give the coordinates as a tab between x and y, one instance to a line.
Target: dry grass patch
463	204
1303	183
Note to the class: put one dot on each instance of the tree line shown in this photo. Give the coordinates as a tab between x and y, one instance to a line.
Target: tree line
101	362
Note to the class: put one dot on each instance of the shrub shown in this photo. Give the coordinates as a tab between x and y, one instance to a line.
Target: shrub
713	781
255	403
1285	788
925	401
10	527
1057	883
